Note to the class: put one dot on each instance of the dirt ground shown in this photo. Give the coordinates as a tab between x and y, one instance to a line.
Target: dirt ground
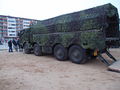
20	71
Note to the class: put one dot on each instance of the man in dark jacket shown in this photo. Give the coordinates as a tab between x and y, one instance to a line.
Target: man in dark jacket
10	46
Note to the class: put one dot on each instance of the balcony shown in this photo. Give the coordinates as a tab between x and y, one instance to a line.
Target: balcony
3	22
3	29
3	19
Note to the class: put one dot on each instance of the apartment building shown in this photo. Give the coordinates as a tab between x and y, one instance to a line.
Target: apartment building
10	26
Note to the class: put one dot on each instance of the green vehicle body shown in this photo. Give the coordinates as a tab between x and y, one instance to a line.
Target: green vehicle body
93	29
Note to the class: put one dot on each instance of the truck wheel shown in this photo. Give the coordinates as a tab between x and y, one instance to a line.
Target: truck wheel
60	52
26	48
37	50
77	54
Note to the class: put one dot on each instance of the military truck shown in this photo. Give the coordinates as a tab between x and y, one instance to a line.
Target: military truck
76	36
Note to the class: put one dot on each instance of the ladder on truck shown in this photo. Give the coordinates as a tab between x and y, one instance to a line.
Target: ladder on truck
114	66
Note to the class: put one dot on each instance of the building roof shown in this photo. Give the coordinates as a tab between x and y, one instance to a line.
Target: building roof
16	17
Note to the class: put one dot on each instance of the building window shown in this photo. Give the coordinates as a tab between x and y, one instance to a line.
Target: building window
11	21
12	31
26	25
1	27
12	24
4	31
11	34
26	22
11	28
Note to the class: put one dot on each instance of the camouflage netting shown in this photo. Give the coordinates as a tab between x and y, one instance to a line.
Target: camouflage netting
90	19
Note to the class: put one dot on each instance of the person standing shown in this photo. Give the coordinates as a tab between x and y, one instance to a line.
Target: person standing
10	46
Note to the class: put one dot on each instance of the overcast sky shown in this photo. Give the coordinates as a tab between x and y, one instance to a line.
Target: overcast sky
44	9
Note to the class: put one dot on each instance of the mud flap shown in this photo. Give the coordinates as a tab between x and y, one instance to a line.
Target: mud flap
115	66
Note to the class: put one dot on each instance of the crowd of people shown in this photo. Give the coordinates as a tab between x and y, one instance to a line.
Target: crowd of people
14	44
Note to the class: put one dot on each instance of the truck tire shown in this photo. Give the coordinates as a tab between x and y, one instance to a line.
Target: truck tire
37	50
60	52
26	48
77	54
